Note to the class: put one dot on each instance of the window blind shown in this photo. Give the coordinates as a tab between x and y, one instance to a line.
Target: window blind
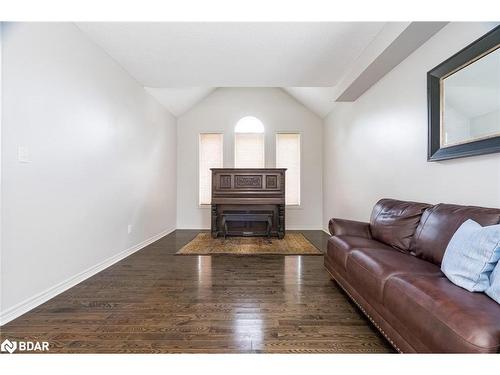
210	156
288	156
249	150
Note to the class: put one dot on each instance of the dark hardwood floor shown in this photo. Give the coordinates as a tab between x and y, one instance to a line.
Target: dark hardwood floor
155	301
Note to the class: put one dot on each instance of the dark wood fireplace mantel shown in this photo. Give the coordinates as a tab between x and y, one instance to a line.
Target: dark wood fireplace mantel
254	192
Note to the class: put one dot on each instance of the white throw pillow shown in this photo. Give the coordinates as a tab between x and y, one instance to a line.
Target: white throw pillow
471	256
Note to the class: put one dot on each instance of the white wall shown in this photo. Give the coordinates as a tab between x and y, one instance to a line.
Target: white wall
377	146
220	112
103	156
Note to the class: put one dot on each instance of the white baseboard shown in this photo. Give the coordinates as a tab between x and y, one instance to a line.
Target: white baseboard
189	227
302	228
326	231
32	302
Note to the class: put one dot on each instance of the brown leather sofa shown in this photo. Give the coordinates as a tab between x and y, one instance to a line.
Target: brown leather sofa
390	268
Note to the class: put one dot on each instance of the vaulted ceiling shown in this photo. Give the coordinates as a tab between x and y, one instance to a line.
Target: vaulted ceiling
181	63
179	100
184	54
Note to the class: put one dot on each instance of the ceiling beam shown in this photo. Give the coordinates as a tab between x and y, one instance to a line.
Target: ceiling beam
391	46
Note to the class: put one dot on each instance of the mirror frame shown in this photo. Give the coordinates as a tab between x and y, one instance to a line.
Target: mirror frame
474	51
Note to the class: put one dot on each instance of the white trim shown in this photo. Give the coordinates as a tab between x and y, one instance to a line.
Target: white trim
293	227
326	231
1	150
36	300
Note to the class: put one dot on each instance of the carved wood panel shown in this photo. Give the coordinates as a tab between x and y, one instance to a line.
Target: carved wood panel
247	181
271	182
225	181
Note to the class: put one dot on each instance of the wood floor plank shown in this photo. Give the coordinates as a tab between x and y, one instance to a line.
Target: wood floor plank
157	302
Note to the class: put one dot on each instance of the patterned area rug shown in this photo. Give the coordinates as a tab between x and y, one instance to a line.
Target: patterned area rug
292	244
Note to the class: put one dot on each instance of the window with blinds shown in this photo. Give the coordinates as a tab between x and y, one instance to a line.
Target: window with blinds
288	156
210	156
249	150
249	143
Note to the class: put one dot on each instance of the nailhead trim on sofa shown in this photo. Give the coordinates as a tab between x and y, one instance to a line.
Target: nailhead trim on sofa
368	316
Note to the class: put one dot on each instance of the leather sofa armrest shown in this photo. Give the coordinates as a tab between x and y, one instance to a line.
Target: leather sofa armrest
339	227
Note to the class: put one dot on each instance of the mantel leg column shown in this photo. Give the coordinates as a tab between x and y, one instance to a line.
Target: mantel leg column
214	221
281	221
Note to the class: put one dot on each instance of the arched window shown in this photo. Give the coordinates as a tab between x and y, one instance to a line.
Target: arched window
249	143
249	124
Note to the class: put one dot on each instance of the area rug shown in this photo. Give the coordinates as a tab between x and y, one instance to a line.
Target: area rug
292	244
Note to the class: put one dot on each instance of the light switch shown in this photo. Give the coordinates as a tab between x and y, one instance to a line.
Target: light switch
23	154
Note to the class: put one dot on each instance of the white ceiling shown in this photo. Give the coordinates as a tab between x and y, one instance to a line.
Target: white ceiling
180	99
258	54
180	63
319	100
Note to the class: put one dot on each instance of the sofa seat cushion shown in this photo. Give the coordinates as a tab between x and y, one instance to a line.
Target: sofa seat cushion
339	247
443	315
369	269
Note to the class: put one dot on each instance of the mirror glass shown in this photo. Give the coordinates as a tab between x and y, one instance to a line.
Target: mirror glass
471	101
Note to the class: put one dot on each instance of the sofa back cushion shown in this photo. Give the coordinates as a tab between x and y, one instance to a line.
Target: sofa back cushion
394	222
440	222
